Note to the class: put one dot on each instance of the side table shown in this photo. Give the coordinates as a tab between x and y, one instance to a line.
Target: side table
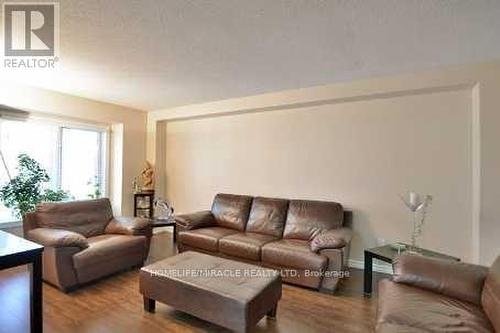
387	254
157	223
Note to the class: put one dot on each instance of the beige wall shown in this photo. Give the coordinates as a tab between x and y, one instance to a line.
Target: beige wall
361	154
359	143
128	131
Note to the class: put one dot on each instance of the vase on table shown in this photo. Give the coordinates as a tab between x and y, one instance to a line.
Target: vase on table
418	206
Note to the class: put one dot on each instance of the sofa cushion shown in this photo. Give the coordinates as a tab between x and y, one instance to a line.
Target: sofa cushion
267	216
231	211
105	248
244	245
448	277
88	217
307	218
491	294
292	253
402	306
205	238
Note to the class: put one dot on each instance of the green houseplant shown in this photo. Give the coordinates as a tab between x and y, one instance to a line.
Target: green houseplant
24	191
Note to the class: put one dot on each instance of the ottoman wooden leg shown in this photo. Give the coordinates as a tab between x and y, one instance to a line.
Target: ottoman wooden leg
149	304
272	314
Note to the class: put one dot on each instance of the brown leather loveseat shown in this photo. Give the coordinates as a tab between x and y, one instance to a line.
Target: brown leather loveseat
432	295
304	239
84	241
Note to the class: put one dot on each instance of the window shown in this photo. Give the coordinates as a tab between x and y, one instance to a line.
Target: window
74	158
82	155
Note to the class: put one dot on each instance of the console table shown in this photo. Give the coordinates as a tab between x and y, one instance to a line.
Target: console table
388	254
16	251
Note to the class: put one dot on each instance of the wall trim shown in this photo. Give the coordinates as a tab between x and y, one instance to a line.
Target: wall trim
379	267
476	172
200	112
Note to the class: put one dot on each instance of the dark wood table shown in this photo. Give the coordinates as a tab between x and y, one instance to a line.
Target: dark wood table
157	223
16	251
388	254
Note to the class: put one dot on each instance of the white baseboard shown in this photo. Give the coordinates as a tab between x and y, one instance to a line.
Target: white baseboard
377	267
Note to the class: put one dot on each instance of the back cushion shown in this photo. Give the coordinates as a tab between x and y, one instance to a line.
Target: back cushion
267	216
307	218
231	211
88	218
491	295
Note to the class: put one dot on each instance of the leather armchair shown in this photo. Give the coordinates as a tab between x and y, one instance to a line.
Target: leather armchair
84	241
436	295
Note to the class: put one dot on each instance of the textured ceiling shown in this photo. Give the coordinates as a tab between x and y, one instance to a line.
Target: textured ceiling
152	54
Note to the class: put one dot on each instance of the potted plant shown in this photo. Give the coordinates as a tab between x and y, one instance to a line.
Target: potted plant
28	188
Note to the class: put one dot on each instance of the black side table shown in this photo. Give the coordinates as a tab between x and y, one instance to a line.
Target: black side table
388	254
17	251
165	223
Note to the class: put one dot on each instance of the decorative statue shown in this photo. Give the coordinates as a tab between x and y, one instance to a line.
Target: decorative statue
148	178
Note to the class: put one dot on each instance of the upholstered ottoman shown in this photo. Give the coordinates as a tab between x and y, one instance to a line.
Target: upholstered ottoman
225	292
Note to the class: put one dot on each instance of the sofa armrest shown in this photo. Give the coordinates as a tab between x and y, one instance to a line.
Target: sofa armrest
129	226
451	278
57	238
195	220
331	239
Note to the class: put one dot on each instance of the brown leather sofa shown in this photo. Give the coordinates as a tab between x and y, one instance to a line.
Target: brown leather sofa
84	241
306	240
431	295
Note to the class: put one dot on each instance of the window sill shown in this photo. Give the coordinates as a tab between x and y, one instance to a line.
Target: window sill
13	224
